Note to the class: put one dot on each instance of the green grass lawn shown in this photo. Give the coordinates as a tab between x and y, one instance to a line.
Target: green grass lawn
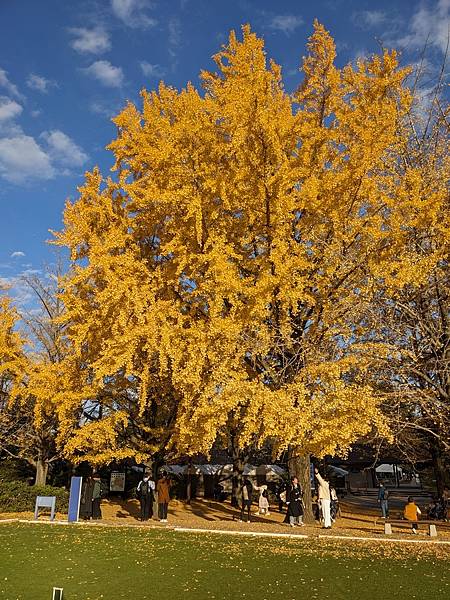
113	563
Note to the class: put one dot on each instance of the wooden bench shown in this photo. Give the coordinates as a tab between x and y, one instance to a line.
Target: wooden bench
432	531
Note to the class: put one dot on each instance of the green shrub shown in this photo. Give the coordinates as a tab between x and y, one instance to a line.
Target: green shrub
17	496
15	470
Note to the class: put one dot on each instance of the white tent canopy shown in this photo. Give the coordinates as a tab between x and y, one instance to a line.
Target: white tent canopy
338	471
385	468
270	471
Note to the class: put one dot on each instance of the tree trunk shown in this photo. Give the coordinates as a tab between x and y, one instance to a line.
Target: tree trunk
299	466
41	472
438	467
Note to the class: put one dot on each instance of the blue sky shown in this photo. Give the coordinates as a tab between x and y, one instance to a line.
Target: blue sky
67	67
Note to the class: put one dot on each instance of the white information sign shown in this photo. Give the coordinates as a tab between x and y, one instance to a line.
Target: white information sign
117	482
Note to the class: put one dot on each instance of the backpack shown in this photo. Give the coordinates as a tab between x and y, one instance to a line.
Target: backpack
145	489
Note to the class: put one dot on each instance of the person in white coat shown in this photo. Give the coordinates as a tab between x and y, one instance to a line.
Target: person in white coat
324	496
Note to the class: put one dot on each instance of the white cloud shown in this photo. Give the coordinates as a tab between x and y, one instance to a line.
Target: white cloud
174	36
40	84
8	86
369	18
286	23
94	41
429	26
22	159
106	73
360	54
62	149
19	290
17	254
9	109
133	13
101	109
150	70
36	113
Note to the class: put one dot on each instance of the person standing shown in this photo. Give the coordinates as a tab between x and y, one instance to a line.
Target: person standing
446	503
324	498
163	491
145	490
294	501
263	502
87	488
383	495
334	504
246	499
281	495
96	497
412	513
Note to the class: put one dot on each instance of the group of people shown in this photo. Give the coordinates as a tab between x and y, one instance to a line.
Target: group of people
146	491
292	498
438	509
91	493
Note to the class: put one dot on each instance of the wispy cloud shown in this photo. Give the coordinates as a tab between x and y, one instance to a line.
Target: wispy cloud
286	23
106	73
9	109
17	254
39	83
174	40
133	13
63	150
369	19
10	87
103	109
18	289
90	41
154	71
429	25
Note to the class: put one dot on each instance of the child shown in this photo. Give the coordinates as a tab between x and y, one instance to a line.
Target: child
263	502
412	513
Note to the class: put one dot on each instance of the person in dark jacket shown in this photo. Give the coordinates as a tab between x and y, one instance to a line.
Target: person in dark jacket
145	490
294	495
246	499
87	488
383	501
96	497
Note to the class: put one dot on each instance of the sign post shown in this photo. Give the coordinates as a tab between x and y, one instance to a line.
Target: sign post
74	499
117	482
45	502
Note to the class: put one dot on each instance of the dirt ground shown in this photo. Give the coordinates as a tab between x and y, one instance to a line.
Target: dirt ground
212	515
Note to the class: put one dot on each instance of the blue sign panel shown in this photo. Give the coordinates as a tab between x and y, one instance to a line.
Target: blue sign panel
74	499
